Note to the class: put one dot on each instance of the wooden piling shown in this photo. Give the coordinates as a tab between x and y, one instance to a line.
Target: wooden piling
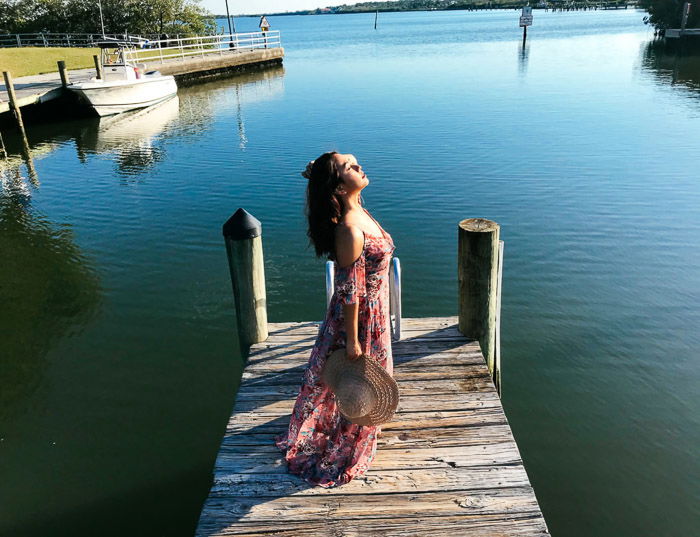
499	294
98	66
243	237
26	151
2	148
65	79
478	284
9	85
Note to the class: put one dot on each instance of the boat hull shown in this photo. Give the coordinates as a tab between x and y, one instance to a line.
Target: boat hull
108	98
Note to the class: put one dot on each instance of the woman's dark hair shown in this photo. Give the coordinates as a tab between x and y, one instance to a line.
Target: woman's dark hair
323	208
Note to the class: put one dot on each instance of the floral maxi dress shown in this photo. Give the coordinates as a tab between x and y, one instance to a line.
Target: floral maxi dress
321	445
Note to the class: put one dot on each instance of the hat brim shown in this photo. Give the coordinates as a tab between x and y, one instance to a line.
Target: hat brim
384	386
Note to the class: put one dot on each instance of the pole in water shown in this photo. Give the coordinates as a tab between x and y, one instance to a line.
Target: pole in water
228	18
686	12
243	237
477	274
2	147
26	151
376	16
524	34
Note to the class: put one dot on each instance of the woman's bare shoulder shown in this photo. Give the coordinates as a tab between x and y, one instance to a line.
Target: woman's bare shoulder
349	242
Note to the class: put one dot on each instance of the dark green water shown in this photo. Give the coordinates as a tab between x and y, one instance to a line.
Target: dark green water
118	352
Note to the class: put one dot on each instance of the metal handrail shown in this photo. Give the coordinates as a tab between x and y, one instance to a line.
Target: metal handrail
395	298
65	39
394	293
164	49
330	281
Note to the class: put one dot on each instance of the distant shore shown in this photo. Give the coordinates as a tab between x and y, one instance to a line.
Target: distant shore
477	6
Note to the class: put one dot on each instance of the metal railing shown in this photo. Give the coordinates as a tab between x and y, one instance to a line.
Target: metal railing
394	293
185	47
49	39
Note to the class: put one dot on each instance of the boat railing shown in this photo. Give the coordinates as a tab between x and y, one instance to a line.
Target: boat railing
188	47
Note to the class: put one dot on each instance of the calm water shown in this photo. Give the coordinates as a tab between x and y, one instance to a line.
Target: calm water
119	361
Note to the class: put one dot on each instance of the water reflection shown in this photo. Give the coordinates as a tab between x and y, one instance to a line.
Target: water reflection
203	102
136	140
523	56
49	289
672	64
131	137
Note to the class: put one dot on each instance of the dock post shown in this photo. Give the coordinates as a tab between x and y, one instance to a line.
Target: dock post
98	66
499	294
65	79
9	85
3	151
243	237
26	151
478	284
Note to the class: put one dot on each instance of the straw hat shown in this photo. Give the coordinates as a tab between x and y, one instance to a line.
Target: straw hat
365	392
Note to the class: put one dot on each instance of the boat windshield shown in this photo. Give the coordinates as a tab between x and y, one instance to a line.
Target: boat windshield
113	56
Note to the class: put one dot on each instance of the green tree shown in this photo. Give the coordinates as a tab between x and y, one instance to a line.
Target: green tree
120	16
665	14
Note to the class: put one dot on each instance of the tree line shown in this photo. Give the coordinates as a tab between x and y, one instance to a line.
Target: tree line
140	17
665	14
662	13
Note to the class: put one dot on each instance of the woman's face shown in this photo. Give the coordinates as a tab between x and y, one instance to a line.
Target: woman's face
350	172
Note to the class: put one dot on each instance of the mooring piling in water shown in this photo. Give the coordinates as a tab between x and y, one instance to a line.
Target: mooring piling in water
477	268
12	97
243	236
17	112
3	151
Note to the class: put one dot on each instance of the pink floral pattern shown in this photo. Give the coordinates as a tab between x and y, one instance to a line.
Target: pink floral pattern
321	445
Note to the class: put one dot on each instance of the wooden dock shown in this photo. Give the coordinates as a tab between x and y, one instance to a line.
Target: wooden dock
39	89
447	465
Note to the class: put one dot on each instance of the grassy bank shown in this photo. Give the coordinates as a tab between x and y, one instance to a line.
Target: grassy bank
36	60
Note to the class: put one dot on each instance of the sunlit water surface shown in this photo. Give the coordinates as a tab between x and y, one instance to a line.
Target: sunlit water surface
119	361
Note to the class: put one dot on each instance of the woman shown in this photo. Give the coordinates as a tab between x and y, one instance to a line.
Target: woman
321	445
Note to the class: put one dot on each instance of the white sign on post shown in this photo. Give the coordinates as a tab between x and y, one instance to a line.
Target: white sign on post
526	16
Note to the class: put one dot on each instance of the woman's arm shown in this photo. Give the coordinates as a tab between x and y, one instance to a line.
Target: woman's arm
349	242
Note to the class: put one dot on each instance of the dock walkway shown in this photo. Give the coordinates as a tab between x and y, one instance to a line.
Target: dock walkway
446	465
39	88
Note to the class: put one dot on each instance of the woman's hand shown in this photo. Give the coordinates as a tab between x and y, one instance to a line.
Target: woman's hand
353	350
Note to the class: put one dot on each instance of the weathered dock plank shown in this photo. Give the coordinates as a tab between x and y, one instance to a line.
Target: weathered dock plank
446	464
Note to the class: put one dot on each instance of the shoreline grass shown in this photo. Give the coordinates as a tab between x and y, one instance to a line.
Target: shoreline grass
27	61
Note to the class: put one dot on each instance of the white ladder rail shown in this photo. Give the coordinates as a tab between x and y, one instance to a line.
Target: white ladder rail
394	293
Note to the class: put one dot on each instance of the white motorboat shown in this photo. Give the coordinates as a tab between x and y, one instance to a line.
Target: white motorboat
124	86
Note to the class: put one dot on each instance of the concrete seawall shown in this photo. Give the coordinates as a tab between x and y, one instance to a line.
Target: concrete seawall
214	64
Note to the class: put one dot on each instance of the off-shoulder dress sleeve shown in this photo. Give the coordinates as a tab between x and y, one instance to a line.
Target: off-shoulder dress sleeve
350	283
